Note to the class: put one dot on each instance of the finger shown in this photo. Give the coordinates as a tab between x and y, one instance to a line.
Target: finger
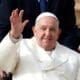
24	23
21	14
3	74
14	14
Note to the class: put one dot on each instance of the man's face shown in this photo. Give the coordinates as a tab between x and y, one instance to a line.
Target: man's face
46	32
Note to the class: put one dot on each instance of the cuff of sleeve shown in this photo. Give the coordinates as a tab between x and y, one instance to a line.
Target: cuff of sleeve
14	40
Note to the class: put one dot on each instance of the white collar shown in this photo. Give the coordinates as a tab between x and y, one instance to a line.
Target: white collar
44	58
57	57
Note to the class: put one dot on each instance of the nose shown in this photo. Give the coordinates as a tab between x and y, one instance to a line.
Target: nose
47	32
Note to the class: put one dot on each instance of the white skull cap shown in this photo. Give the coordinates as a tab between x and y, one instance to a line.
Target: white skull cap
46	14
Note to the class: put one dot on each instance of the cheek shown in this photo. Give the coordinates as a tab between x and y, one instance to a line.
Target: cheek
56	35
39	33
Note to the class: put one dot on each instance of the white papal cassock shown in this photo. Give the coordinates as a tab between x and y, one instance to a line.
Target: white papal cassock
34	63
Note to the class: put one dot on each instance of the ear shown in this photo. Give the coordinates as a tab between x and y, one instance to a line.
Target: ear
58	34
33	29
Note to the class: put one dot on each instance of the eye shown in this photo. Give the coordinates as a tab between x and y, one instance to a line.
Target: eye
53	29
43	28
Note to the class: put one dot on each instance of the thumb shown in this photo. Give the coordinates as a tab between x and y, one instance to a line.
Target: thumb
24	23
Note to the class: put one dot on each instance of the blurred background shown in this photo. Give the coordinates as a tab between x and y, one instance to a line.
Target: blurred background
77	12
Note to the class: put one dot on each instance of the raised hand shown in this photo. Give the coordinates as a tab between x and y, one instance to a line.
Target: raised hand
17	25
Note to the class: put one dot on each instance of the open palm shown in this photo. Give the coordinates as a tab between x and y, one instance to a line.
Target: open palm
17	25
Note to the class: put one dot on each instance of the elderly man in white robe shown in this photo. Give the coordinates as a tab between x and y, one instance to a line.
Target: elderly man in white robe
40	57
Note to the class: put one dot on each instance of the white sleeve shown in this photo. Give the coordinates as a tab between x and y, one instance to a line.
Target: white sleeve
9	55
78	76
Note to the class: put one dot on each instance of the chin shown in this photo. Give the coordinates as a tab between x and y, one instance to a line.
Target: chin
48	47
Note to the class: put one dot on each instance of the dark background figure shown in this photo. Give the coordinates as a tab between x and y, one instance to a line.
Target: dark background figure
6	6
31	10
63	9
78	36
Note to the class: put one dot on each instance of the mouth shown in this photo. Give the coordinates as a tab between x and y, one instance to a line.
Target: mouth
48	40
